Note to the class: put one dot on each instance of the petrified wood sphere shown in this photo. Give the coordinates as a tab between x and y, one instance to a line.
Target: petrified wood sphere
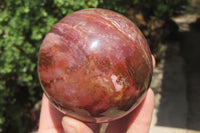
95	65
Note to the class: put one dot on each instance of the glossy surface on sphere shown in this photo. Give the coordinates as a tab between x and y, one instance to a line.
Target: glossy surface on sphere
95	65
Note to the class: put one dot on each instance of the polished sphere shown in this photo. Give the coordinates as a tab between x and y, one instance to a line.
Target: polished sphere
95	65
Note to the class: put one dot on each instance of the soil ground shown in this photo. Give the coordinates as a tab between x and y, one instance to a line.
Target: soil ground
190	41
176	81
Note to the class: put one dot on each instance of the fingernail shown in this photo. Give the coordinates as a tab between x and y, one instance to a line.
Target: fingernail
68	125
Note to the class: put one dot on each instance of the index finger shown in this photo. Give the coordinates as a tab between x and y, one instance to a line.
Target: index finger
50	118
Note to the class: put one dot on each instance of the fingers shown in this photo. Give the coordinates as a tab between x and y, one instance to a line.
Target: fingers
71	125
154	61
50	118
140	118
138	121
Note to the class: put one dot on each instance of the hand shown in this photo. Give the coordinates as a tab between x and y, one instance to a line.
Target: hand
138	121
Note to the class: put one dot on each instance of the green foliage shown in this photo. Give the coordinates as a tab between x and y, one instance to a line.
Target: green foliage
162	9
23	25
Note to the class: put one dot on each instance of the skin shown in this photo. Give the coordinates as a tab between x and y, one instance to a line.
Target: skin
138	121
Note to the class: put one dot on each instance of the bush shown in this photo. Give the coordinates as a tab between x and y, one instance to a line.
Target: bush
23	25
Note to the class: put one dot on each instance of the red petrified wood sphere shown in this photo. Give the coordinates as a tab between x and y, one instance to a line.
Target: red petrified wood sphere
95	65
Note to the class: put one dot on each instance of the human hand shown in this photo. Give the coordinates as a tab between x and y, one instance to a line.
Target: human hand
138	121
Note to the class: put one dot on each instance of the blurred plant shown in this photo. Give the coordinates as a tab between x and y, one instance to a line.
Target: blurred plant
158	8
23	25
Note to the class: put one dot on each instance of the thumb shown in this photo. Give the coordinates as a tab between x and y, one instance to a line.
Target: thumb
71	125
